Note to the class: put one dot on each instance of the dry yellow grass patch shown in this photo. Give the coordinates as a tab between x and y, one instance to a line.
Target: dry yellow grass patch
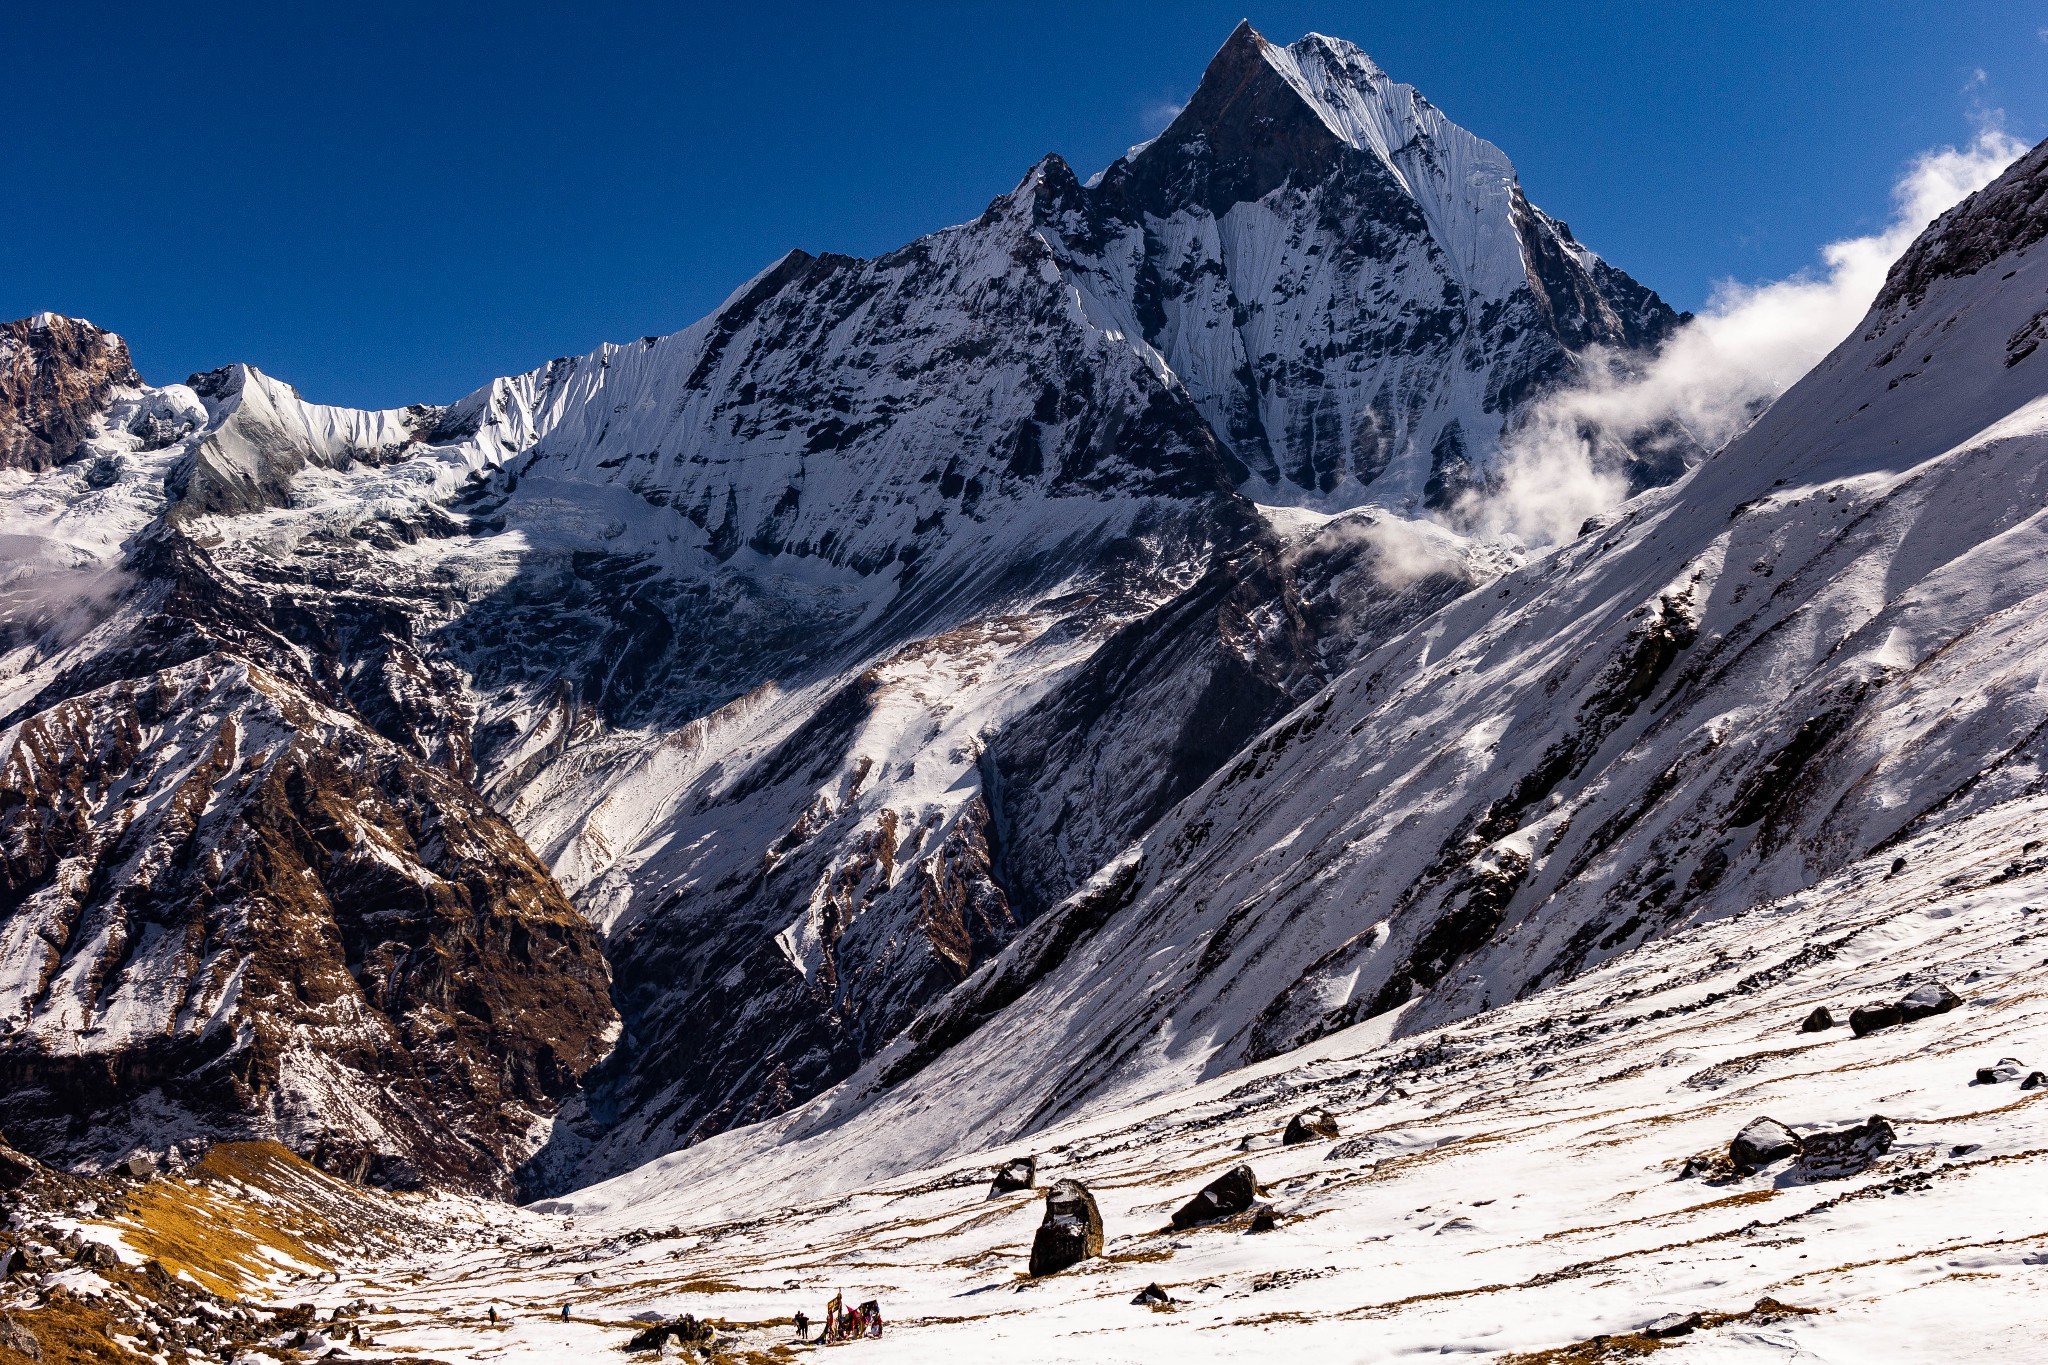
247	1213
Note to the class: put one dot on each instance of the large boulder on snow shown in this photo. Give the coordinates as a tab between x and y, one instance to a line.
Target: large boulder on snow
1932	998
1820	1021
1763	1141
1232	1192
1310	1125
1071	1231
1836	1155
1870	1018
2008	1069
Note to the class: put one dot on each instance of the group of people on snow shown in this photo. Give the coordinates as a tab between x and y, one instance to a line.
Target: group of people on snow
843	1323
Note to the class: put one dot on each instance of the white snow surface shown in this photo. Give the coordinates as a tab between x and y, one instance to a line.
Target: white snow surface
1512	1183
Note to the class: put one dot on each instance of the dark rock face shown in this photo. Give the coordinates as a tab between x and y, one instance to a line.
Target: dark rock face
1310	1125
17	1338
1820	1021
1763	1141
2010	214
1011	1176
56	375
1845	1152
1867	1019
1071	1232
1232	1192
297	877
1171	697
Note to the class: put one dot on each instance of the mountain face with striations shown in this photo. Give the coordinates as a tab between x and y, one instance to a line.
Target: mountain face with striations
513	790
1820	652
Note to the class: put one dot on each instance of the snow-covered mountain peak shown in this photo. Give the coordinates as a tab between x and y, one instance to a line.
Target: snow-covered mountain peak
1266	114
822	644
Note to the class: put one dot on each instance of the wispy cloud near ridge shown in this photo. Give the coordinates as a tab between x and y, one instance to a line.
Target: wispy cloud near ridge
1748	345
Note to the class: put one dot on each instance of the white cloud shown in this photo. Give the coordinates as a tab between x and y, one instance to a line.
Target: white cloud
1161	113
1713	377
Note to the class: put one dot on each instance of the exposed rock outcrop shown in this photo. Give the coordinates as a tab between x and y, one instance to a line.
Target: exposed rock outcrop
56	375
1071	1231
1846	1151
214	871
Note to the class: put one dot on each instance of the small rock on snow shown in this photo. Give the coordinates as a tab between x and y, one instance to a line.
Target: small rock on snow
1672	1325
1232	1192
1309	1126
1833	1156
1019	1173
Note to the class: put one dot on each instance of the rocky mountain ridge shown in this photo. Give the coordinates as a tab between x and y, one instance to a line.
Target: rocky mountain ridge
819	647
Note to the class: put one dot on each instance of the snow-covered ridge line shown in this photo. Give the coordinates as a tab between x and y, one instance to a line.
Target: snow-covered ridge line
822	645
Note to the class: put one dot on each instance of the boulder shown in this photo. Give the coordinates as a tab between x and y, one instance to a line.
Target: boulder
1871	1018
1071	1231
140	1165
1820	1021
684	1331
1673	1325
98	1255
1350	1149
1018	1173
1931	998
1152	1296
1232	1192
1263	1219
2008	1069
1763	1141
1310	1125
1843	1153
2034	1081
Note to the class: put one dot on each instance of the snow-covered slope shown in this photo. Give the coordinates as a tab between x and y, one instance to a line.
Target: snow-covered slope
1504	1189
1824	642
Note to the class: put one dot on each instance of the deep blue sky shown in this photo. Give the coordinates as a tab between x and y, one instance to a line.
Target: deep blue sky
393	203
